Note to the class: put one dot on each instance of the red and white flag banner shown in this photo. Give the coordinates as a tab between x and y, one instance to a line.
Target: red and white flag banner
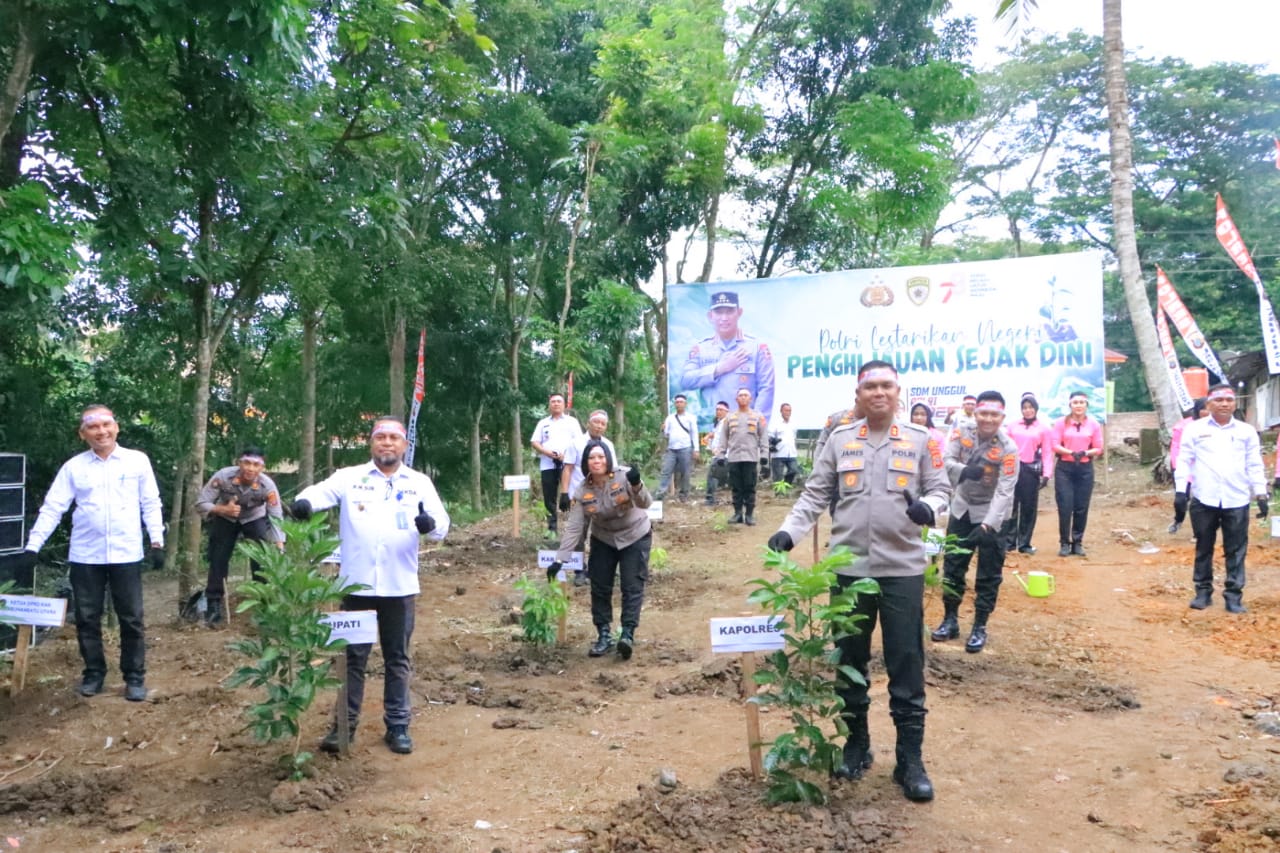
568	397
419	392
1229	237
1171	303
1171	361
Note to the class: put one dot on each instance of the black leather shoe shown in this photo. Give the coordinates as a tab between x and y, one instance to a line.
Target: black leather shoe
397	738
1077	550
1064	551
135	692
1233	605
626	643
977	639
1202	600
90	686
948	629
1027	549
580	579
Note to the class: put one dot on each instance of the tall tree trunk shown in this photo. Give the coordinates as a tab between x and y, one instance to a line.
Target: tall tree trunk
396	348
195	463
307	462
173	537
513	376
584	208
1125	236
477	490
23	58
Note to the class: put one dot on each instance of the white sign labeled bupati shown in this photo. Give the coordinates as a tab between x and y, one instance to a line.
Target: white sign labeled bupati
654	511
33	610
515	482
546	558
747	634
357	627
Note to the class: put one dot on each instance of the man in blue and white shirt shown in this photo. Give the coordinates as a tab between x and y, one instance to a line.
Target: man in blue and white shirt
385	507
681	431
1229	474
114	491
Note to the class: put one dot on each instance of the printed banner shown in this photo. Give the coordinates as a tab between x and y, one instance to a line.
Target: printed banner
1026	324
1229	237
419	392
1171	362
1169	301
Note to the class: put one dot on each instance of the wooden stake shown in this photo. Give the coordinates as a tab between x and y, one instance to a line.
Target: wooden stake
752	714
815	542
344	724
19	679
515	514
563	631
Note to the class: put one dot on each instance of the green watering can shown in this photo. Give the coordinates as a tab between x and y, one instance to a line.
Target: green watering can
1037	584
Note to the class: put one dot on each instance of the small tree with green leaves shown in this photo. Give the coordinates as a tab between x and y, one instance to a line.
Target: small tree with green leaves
803	677
781	488
544	604
292	651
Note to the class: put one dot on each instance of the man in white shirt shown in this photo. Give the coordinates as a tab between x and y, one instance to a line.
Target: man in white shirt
782	444
115	494
385	507
681	430
552	437
1228	473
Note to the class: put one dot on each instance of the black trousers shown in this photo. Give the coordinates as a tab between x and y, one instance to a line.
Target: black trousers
1026	506
742	479
1072	489
899	608
551	492
607	562
89	584
1234	522
986	586
395	630
223	533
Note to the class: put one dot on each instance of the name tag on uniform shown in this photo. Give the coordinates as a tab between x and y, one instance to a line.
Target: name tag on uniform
402	520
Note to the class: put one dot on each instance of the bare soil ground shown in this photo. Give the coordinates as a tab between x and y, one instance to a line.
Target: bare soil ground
1106	717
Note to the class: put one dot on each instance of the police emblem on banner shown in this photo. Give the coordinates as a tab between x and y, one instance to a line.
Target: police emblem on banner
877	296
918	289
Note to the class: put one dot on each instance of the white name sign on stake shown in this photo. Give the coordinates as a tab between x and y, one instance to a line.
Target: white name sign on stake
746	634
355	626
515	482
546	558
933	540
33	610
655	511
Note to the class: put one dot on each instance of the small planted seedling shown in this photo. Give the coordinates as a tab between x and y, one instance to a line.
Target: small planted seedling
545	603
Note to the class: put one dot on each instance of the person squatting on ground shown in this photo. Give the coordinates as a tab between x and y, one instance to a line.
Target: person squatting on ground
1224	453
982	464
742	439
681	431
1077	440
1035	466
613	502
887	479
115	494
716	473
239	500
385	507
552	436
782	445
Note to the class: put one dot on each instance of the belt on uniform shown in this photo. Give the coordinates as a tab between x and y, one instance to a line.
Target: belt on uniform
1073	459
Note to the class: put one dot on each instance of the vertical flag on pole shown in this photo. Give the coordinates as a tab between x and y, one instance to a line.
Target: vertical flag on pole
1171	361
1169	301
1229	237
568	397
419	391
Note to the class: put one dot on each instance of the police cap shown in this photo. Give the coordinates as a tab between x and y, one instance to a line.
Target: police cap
724	299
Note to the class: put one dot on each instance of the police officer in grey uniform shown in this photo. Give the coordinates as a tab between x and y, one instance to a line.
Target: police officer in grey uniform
722	364
888	479
743	439
982	463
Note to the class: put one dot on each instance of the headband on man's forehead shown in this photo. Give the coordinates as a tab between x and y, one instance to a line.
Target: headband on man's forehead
388	428
1222	394
252	457
877	374
97	416
990	406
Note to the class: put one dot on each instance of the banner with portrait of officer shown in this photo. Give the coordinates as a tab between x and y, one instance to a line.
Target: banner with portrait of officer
1025	324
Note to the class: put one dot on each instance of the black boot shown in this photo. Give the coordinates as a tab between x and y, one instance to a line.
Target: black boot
750	518
737	516
910	773
978	636
1204	597
330	743
1232	603
626	642
857	757
949	628
603	644
213	614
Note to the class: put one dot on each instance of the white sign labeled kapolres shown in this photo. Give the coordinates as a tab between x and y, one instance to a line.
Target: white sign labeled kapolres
747	634
547	557
357	627
33	610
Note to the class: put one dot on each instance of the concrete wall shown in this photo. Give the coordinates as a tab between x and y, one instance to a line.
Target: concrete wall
1122	425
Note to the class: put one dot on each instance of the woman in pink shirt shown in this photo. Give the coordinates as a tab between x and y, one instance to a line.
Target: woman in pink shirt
923	415
1035	466
1198	411
1077	441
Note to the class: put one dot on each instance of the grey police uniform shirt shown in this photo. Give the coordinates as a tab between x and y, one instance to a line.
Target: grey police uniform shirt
257	499
868	480
616	514
756	374
742	437
989	500
843	417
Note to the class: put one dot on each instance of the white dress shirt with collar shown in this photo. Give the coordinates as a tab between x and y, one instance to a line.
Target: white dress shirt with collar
376	529
114	498
1226	460
681	431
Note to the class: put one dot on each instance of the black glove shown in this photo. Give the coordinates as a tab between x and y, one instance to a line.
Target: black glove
1078	455
552	571
564	501
918	511
1264	508
781	541
423	521
1044	481
26	562
773	443
1180	501
157	559
972	471
633	476
300	510
981	535
1275	485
